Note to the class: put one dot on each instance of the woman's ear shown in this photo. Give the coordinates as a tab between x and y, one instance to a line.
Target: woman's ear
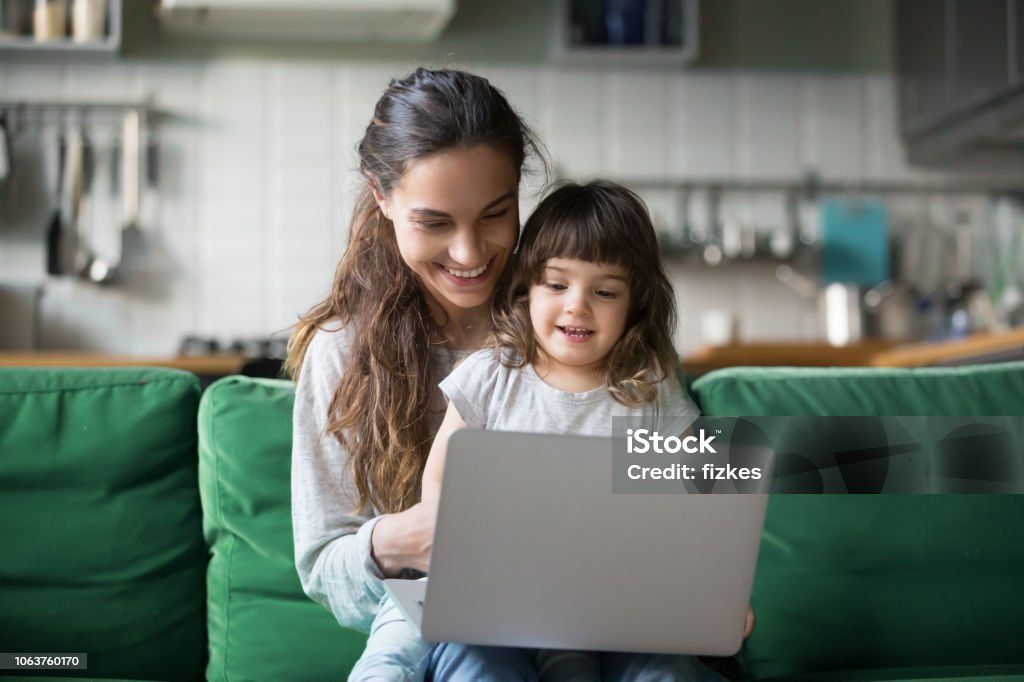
382	201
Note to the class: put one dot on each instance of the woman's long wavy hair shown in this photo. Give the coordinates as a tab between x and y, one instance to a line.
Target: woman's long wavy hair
600	222
380	409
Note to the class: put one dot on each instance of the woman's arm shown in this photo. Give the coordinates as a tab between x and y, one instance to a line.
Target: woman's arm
434	469
342	553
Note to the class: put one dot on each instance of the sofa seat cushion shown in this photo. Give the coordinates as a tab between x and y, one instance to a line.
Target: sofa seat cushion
102	541
989	673
261	624
862	582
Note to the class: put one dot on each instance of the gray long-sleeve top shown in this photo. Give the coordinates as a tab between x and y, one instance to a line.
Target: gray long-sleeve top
332	538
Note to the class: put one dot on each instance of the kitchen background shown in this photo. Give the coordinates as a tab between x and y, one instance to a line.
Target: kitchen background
244	212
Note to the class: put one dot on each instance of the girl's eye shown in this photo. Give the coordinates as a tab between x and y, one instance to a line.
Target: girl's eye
555	286
605	294
430	226
499	214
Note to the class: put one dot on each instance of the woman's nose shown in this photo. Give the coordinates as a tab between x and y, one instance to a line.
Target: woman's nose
466	248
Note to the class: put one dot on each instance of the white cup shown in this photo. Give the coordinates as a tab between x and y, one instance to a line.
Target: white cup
718	327
87	20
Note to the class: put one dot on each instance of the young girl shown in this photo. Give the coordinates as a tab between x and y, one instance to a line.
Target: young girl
582	333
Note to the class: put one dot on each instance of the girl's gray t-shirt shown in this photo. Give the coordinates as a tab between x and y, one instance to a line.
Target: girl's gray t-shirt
489	395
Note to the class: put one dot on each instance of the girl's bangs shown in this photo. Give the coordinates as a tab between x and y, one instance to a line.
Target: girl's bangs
580	237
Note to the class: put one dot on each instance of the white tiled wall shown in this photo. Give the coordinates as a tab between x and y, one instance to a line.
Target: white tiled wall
257	181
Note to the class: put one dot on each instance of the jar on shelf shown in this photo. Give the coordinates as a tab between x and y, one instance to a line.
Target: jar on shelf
49	20
88	18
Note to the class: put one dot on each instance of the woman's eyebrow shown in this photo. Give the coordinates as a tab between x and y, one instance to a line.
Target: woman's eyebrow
434	213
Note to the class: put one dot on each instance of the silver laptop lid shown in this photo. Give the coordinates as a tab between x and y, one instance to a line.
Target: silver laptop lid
533	549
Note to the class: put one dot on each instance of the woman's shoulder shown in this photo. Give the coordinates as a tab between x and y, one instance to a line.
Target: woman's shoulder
325	358
329	343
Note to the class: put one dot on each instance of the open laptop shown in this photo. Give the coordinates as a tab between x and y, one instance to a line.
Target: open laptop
532	549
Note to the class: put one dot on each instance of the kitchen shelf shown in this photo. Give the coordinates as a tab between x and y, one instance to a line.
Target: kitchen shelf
26	47
812	184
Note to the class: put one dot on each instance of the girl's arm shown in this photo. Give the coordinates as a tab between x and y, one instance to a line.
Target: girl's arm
434	468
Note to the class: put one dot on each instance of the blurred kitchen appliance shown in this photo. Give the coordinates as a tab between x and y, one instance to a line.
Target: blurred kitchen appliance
840	306
19	315
411	21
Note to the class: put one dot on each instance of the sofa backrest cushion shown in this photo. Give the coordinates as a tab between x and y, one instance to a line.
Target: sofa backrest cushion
261	624
871	581
101	526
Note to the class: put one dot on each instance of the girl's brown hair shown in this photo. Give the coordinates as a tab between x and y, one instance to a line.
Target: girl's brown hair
380	408
600	222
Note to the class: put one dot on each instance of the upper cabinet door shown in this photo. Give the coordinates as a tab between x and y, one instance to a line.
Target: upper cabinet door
981	51
921	27
1017	9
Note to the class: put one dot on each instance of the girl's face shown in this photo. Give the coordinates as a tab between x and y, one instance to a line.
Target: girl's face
578	311
456	217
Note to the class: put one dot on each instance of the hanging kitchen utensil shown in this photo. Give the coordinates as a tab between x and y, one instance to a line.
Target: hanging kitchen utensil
780	240
84	254
105	269
54	230
854	241
72	204
6	157
713	236
132	238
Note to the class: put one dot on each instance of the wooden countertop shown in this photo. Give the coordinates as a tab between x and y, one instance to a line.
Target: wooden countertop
978	347
782	354
992	347
210	365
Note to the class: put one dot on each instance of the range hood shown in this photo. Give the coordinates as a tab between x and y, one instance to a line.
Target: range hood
398	21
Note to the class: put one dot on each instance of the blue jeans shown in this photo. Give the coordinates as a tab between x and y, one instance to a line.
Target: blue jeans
458	662
395	652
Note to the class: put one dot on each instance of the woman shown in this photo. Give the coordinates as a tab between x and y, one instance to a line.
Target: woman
432	230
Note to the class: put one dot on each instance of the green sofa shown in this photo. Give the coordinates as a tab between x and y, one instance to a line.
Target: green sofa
147	525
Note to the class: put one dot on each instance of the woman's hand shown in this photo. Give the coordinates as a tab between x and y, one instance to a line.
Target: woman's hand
405	539
748	627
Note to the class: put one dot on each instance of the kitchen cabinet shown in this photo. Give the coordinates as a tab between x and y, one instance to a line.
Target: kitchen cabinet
1018	15
980	51
626	32
921	56
959	64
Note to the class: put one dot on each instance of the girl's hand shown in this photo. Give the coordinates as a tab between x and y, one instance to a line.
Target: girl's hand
748	627
405	539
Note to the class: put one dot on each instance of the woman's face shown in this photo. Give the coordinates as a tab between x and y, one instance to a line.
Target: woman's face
456	217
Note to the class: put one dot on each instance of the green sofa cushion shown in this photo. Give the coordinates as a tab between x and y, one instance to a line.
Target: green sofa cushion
261	624
882	581
101	530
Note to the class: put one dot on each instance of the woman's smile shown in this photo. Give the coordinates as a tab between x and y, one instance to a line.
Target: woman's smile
468	277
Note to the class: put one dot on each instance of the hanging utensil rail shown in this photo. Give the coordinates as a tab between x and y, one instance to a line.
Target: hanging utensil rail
148	112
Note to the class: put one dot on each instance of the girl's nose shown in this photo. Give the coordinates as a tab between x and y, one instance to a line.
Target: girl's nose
576	303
